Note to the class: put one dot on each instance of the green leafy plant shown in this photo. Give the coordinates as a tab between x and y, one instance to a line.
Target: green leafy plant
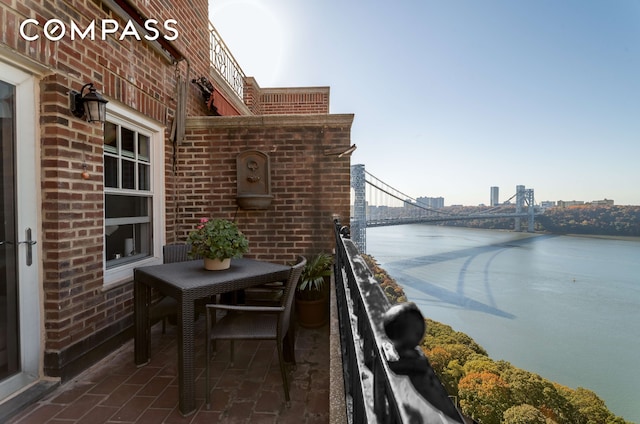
312	280
217	239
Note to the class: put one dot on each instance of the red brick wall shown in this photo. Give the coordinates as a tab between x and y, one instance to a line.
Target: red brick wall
281	101
76	308
309	187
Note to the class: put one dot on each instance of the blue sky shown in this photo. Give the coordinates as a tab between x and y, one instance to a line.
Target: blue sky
451	97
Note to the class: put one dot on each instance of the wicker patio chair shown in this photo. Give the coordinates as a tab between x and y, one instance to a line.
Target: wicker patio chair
269	294
166	307
244	322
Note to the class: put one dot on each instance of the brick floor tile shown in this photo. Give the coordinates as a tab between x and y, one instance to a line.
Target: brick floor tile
98	415
258	418
247	390
131	410
108	384
143	375
175	417
293	414
207	417
220	399
270	401
168	399
71	392
153	416
231	378
38	415
318	401
155	386
82	405
238	410
121	395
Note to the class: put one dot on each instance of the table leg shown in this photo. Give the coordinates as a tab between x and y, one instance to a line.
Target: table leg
186	356
142	343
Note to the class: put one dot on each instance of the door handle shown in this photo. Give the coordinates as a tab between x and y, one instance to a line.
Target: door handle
29	242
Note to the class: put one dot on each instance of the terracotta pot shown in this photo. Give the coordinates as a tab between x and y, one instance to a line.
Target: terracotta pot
217	264
312	313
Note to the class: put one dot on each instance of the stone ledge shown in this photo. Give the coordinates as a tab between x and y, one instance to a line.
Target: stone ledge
337	400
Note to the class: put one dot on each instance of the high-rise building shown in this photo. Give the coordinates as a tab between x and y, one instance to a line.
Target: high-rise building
495	195
431	202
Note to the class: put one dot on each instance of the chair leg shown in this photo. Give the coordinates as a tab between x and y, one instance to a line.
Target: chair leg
207	389
290	344
231	351
283	371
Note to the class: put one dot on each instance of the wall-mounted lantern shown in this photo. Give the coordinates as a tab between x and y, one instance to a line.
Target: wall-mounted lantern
254	180
92	105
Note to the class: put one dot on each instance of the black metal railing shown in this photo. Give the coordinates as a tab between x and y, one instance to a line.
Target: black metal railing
387	378
224	62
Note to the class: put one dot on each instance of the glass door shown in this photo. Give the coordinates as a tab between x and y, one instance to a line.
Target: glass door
20	288
9	341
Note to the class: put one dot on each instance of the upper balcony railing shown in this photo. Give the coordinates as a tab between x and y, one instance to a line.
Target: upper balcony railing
224	62
387	378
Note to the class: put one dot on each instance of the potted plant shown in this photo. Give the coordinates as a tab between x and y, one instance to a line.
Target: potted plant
312	291
217	241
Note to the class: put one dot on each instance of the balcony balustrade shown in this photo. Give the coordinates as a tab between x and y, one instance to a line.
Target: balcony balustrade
387	378
223	61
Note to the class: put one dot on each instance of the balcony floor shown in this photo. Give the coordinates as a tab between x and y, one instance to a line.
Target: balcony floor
116	391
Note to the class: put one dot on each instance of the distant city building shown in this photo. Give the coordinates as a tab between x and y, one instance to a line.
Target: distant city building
495	196
566	204
431	202
603	202
547	204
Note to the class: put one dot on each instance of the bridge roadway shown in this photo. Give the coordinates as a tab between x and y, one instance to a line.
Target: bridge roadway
402	221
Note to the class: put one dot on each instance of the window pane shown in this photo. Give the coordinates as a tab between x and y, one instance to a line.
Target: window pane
110	171
127	243
117	206
127	142
143	148
127	240
128	201
144	182
110	137
128	174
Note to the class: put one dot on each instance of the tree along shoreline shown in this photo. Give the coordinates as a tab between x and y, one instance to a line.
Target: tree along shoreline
496	392
595	220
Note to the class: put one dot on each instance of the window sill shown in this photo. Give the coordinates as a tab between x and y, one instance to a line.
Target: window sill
114	278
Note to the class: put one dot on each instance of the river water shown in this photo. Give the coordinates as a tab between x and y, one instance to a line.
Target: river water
564	307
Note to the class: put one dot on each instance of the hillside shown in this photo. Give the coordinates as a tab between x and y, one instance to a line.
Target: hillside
496	392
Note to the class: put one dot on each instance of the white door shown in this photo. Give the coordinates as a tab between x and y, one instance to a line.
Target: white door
20	299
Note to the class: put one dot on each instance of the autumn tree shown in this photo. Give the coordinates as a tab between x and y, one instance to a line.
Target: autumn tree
529	388
523	414
484	397
591	407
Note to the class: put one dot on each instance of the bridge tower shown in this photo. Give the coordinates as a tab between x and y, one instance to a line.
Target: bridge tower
359	214
524	196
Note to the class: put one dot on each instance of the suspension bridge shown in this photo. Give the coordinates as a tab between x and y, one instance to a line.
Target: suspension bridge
376	203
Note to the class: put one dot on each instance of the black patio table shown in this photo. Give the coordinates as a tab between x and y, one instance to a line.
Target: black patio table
187	282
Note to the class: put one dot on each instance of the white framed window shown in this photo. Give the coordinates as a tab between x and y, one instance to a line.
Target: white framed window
133	193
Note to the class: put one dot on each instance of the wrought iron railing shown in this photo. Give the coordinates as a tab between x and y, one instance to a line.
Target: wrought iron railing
387	378
224	62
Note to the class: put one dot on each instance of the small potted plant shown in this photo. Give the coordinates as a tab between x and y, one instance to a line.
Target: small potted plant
312	291
217	241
